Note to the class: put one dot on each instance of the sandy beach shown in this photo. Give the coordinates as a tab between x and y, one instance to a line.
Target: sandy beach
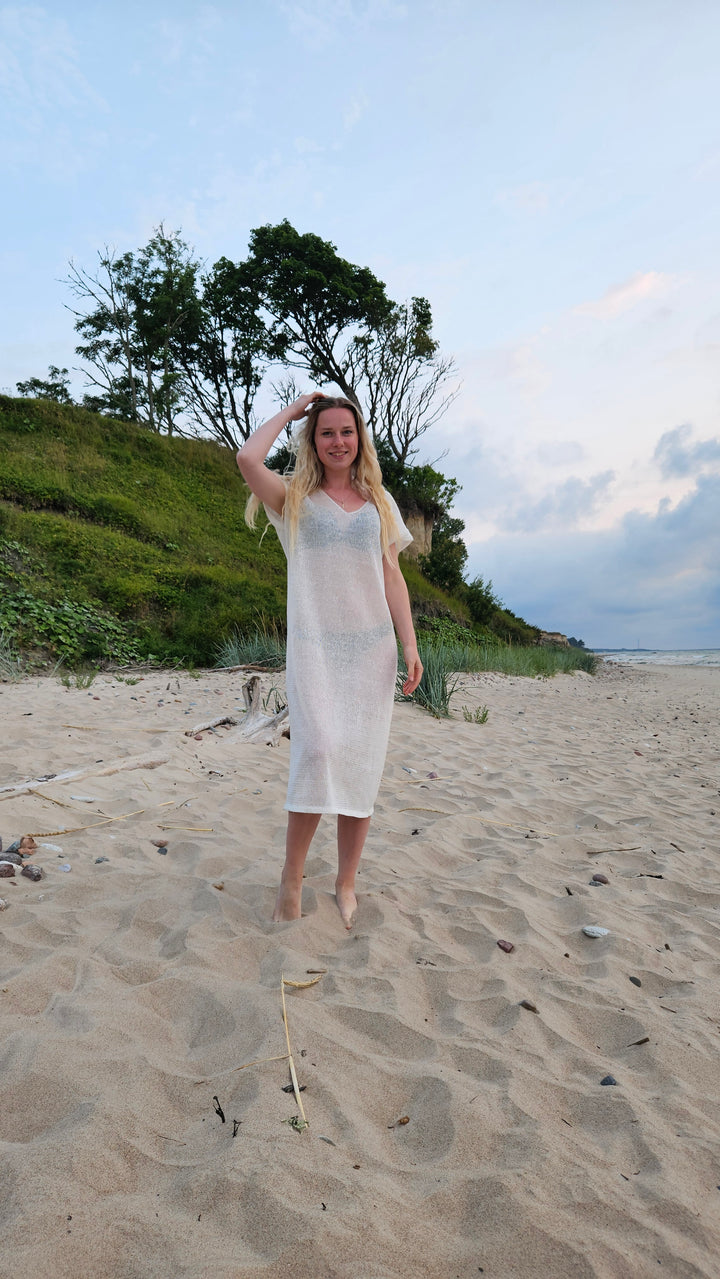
137	982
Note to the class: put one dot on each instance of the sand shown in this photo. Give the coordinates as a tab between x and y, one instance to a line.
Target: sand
134	987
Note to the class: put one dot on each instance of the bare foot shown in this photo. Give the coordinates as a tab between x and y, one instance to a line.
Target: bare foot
287	904
347	904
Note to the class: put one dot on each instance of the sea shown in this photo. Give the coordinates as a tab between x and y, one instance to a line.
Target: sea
661	656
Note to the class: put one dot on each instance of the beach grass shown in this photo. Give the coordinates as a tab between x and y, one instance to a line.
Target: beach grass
12	666
264	646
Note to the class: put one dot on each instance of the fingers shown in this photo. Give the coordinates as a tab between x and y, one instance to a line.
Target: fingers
414	675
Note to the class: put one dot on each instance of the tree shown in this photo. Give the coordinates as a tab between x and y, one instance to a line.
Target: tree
55	387
401	377
481	600
224	351
140	303
445	564
314	300
334	321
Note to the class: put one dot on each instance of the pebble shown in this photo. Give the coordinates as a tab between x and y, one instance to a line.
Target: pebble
609	1080
32	872
159	843
13	857
599	879
162	852
527	1003
98	860
507	946
3	904
65	866
7	870
52	848
635	981
594	930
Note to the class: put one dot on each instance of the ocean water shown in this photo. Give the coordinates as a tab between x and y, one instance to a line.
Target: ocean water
661	656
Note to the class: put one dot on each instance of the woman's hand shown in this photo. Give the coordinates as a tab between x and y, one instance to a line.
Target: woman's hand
299	408
414	669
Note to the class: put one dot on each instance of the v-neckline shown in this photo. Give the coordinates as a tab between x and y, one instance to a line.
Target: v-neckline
338	506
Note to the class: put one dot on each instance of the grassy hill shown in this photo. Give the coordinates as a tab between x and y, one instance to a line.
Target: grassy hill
117	544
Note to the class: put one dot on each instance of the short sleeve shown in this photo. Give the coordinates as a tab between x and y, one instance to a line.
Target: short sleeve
279	524
403	536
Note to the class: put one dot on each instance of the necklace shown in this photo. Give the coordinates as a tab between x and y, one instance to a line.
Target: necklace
338	500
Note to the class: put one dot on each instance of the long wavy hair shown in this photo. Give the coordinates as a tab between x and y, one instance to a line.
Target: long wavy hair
308	473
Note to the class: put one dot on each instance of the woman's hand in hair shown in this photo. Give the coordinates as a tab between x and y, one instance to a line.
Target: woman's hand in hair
299	408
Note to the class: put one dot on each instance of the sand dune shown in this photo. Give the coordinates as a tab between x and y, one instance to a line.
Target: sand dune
134	987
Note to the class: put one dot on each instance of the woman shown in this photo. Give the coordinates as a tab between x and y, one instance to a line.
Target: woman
341	533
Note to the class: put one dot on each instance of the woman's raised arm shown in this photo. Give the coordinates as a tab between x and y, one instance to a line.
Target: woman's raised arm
266	484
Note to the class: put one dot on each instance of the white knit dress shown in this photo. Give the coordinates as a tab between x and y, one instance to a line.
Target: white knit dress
341	656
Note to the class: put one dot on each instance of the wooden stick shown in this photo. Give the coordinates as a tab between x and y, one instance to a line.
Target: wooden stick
43	834
260	1061
195	828
211	723
119	766
292	1064
593	852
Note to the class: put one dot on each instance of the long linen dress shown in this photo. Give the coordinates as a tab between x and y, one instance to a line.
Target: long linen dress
341	655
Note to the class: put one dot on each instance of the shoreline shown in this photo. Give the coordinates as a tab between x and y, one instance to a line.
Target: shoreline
134	987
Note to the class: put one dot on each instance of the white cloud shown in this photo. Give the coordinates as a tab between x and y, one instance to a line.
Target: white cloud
641	287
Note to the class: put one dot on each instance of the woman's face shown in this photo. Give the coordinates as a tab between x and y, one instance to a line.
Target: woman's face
336	441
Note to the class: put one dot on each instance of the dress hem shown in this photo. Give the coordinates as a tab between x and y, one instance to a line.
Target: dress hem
328	812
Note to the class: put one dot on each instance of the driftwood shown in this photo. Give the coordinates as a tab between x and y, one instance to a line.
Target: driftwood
119	766
211	723
257	726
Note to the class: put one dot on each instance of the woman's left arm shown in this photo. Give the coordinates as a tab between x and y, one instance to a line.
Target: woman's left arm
396	594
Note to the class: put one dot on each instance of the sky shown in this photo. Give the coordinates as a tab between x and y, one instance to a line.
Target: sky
546	173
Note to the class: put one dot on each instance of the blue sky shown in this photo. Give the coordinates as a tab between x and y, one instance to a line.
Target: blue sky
545	172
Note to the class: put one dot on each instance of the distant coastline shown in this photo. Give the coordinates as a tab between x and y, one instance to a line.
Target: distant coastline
661	656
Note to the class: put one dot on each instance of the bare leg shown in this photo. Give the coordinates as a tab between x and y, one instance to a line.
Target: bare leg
351	835
300	829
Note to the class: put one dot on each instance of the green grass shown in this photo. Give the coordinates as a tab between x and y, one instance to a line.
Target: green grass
444	660
119	546
264	646
12	666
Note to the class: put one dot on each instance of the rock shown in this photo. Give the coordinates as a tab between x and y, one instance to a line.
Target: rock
65	866
15	858
594	930
159	843
32	872
3	904
507	946
98	860
599	879
609	1081
162	852
635	981
7	870
527	1003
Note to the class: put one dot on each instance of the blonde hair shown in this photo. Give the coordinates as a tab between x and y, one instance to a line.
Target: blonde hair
308	473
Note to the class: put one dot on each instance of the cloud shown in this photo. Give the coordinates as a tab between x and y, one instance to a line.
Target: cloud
623	297
564	506
677	456
653	579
